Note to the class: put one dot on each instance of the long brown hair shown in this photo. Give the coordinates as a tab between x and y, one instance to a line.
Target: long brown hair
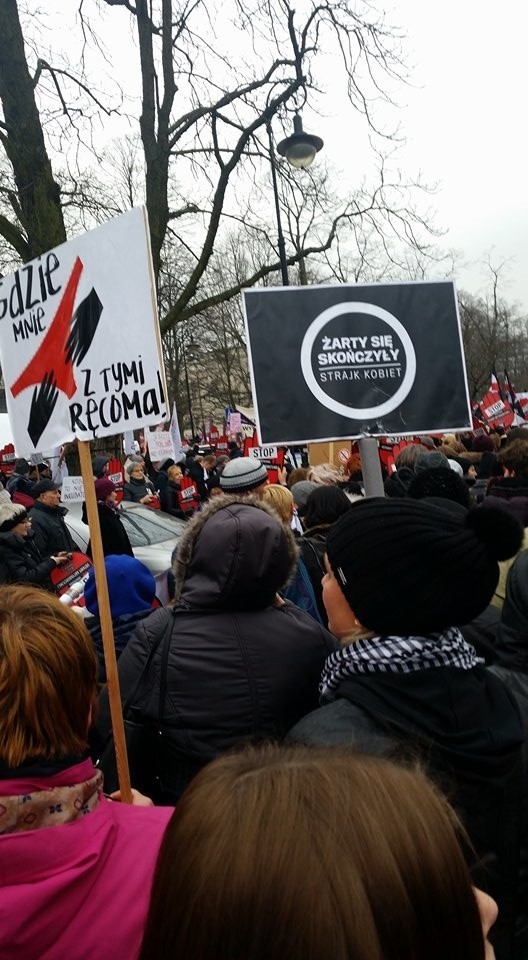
48	673
305	854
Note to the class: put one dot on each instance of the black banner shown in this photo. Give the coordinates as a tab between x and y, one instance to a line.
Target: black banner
332	362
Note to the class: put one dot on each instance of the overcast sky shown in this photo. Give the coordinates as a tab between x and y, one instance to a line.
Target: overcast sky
465	121
464	117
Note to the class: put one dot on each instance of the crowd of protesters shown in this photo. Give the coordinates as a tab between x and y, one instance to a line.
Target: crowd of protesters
335	703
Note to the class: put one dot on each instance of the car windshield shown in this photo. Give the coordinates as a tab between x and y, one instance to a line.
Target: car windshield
144	529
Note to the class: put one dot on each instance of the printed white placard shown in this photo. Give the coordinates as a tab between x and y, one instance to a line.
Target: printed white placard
263	453
72	490
160	444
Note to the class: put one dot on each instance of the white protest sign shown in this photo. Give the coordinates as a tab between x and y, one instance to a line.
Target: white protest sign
129	444
72	490
160	444
176	435
235	423
263	453
79	339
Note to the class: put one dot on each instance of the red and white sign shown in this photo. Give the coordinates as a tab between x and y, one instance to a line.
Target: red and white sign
69	368
72	576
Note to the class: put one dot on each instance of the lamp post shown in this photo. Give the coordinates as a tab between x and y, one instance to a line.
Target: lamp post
184	347
188	391
299	149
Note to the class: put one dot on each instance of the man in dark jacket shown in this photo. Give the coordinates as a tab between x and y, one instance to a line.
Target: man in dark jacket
47	519
242	665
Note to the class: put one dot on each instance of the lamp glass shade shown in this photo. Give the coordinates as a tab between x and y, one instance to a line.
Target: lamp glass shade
301	154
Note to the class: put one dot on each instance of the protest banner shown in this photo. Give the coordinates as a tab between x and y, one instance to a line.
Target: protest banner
160	444
177	445
79	339
235	422
188	496
7	459
72	490
129	444
81	356
270	456
69	579
340	362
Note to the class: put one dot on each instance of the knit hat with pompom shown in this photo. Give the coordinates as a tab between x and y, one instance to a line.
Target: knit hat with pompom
419	566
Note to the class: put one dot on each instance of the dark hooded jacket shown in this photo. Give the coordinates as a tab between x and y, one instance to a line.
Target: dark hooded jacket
466	728
239	668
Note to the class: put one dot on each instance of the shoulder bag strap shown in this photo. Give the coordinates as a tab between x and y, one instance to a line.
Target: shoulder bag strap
316	555
161	638
165	641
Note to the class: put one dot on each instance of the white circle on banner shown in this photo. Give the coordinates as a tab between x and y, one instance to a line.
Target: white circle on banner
357	413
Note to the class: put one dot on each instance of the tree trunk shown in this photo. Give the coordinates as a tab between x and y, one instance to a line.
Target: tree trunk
38	205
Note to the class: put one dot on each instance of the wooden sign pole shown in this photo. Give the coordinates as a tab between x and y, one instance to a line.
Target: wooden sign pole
107	630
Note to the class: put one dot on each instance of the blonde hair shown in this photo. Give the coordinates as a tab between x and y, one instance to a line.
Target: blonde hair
48	673
174	472
324	473
281	499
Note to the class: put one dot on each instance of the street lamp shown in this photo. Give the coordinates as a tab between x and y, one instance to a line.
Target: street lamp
299	149
188	346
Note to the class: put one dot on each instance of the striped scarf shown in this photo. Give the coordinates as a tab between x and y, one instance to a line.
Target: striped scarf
396	655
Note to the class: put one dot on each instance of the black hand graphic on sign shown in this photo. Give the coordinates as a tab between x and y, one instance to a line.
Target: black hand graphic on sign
42	406
83	326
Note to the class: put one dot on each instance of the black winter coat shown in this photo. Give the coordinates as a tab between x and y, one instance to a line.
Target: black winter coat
22	561
234	675
134	490
51	533
173	504
313	549
466	728
113	534
511	645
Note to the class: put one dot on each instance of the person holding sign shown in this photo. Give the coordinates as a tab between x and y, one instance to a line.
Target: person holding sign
20	558
75	868
138	488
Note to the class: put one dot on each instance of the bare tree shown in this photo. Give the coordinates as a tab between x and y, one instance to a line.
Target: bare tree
206	100
495	335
